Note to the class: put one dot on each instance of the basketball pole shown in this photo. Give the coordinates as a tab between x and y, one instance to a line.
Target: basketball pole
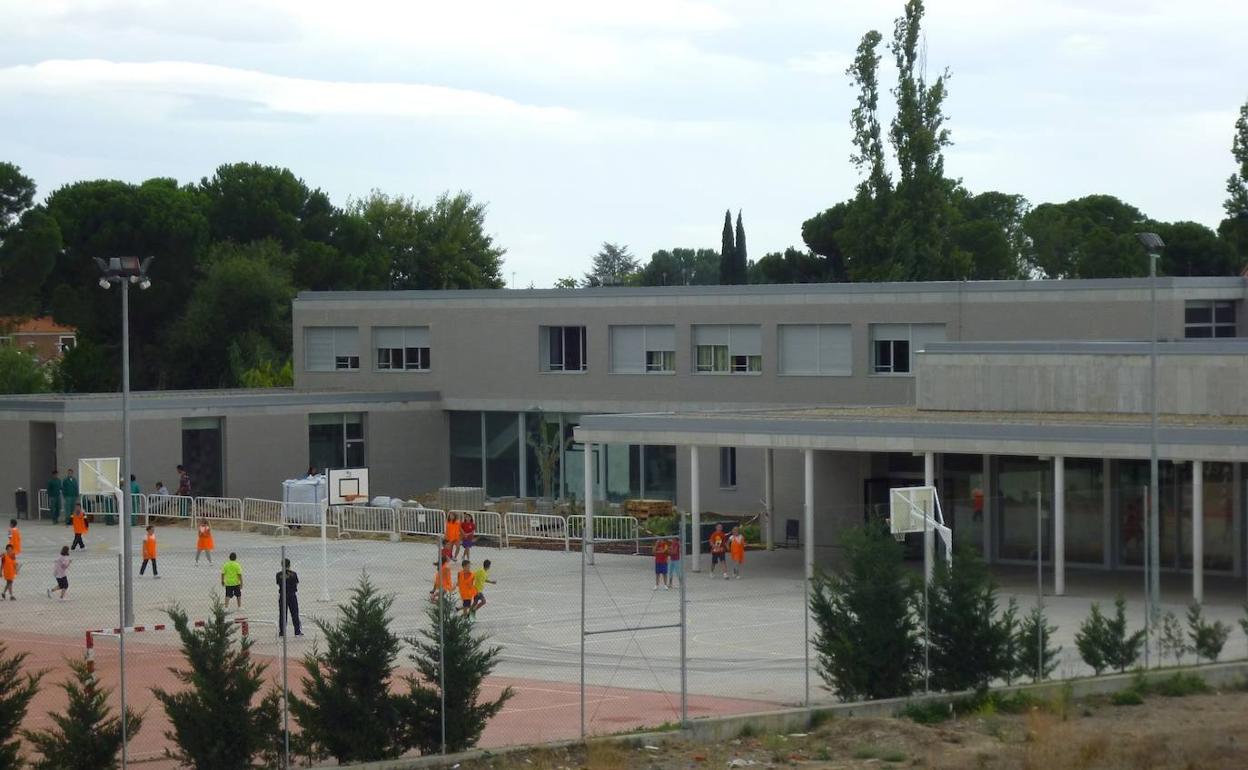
121	642
324	555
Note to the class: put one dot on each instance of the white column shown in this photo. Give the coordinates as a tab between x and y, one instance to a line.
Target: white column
1107	513
695	510
1059	525
588	542
1198	531
523	487
808	514
929	534
989	496
769	498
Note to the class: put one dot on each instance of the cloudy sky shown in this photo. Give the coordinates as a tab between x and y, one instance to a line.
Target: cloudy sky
634	121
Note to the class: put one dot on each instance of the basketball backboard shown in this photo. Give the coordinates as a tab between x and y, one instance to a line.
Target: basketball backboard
348	486
99	475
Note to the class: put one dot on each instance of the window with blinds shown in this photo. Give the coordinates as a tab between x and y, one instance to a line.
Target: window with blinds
331	348
816	349
893	345
564	349
643	349
401	348
727	348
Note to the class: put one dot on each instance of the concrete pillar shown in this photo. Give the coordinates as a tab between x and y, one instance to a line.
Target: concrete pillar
695	510
1059	525
929	533
1198	531
989	507
588	543
808	514
1107	513
523	487
769	498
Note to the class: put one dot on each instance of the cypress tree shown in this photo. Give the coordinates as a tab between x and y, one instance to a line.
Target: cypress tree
727	253
1036	633
742	266
967	642
16	691
87	736
347	710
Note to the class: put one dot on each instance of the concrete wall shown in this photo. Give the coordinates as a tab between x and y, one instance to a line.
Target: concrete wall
263	450
407	452
1083	381
15	471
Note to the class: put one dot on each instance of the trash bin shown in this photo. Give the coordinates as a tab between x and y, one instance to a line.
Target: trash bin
21	503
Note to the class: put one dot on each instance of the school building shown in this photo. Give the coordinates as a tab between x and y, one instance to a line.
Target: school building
1026	403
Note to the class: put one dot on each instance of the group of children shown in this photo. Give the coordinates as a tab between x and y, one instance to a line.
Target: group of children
667	556
457	541
10	567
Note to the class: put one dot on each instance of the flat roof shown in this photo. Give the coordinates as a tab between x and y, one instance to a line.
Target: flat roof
908	429
71	404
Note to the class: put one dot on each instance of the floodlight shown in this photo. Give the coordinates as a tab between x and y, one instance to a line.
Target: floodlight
1151	241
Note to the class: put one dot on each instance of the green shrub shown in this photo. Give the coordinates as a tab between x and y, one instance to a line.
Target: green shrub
1104	642
1208	639
17	687
1180	685
967	641
752	533
928	712
1015	702
1126	698
1035	633
87	736
1171	639
662	526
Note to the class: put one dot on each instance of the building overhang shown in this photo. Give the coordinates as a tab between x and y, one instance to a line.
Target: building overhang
196	403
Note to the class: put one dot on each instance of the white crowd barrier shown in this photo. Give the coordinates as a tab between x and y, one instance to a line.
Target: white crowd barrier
365	519
607	529
489	525
171	507
42	504
263	513
421	521
219	509
536	526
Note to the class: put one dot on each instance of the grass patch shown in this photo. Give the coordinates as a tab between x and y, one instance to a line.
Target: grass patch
749	731
867	751
927	713
1127	698
1181	685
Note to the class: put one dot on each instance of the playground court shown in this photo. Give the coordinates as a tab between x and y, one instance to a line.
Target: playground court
744	641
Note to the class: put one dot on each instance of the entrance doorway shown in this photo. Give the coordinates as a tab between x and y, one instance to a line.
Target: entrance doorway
202	455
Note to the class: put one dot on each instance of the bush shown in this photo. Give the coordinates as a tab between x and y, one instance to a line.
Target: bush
1090	640
1180	685
968	643
347	710
662	526
16	691
1034	634
1126	698
927	713
87	736
1208	639
216	722
752	533
1104	643
866	633
1171	640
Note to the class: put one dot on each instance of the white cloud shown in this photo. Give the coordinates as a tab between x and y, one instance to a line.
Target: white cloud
279	94
821	63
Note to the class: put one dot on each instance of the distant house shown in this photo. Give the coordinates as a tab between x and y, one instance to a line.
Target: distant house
43	338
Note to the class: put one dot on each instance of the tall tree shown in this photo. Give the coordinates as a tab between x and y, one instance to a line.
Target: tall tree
1193	249
20	372
1090	237
28	251
861	229
17	193
18	686
87	735
253	202
791	266
823	234
988	229
613	265
728	255
681	267
1234	229
742	257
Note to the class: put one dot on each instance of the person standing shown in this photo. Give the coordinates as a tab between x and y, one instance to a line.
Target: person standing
8	570
136	500
660	565
232	580
54	496
468	535
203	543
718	548
69	491
453	533
184	490
60	571
149	552
675	568
736	549
466	582
15	537
288	599
79	522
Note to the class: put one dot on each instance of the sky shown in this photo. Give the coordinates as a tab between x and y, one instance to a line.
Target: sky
635	121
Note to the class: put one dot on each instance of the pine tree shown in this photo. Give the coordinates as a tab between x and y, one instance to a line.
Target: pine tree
1122	649
1013	642
1208	639
347	710
1171	640
16	691
728	254
1091	640
217	722
742	262
1034	634
867	636
966	641
87	735
468	662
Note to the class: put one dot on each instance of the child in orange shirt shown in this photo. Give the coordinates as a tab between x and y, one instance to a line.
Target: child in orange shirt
15	537
444	572
717	550
8	570
79	520
466	582
736	549
149	552
203	543
454	533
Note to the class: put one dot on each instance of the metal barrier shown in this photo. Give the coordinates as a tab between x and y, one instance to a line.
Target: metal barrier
365	519
489	524
97	504
536	526
607	529
170	507
42	503
421	521
307	515
219	509
262	513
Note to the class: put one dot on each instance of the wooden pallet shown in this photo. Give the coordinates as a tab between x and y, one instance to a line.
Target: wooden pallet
644	509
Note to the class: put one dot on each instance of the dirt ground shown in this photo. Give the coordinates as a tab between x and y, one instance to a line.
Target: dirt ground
1198	731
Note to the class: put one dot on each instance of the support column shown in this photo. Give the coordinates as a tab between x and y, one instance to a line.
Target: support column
989	508
1198	531
929	533
523	487
588	534
769	498
1059	525
695	510
1107	513
808	514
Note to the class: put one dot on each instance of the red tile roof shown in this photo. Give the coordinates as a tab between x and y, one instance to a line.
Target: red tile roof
43	325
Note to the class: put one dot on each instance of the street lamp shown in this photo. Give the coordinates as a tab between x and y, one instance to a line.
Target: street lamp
125	271
1154	246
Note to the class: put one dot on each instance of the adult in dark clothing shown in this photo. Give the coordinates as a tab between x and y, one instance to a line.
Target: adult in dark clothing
54	497
288	600
69	492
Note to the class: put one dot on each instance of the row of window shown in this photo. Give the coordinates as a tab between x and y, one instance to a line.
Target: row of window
337	348
1205	318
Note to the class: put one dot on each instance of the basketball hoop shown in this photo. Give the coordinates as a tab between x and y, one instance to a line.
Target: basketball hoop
350	498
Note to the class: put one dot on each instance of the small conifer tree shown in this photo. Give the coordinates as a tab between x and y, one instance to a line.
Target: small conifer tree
867	635
1034	634
219	720
1208	639
967	641
347	710
1171	640
87	735
1091	638
1122	649
468	662
16	691
1012	647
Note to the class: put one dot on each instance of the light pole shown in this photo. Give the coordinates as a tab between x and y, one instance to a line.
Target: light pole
1153	245
125	271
